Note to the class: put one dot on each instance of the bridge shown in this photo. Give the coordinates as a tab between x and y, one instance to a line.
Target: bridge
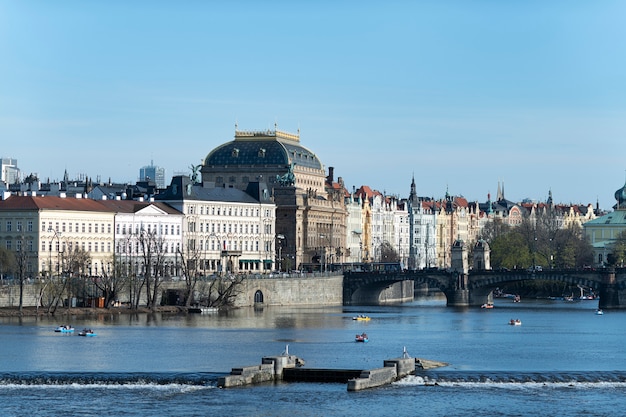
475	287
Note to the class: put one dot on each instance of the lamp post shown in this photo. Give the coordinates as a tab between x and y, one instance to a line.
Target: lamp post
56	235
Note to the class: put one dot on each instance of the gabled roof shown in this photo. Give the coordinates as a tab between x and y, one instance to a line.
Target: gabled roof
132	206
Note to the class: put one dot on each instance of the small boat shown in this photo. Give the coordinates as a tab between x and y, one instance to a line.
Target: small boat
517	299
599	312
515	322
64	329
361	338
203	310
487	305
87	332
361	318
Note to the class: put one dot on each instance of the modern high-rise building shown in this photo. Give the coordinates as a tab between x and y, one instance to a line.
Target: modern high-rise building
153	173
10	171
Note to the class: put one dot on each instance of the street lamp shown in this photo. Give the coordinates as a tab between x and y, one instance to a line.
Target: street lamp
57	235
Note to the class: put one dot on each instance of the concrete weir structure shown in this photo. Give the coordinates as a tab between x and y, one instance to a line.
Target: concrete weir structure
287	367
392	370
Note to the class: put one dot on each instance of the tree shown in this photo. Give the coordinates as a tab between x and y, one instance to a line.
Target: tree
112	282
7	262
75	264
218	292
618	251
152	253
388	253
494	229
511	251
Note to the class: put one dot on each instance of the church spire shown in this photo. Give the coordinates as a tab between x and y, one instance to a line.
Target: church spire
413	194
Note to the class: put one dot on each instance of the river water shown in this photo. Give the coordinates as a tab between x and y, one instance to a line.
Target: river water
563	360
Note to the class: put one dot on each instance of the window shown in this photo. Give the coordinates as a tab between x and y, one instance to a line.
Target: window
29	226
43	226
9	226
18	226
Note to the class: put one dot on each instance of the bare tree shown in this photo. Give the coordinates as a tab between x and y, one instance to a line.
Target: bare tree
219	291
111	283
152	253
74	265
21	259
190	260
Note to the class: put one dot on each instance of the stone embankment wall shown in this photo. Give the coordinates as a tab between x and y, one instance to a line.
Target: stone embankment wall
293	291
285	290
10	295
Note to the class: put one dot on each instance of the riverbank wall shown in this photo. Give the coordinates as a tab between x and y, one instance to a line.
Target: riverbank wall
268	290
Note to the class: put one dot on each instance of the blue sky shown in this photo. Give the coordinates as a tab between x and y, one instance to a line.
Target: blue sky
461	94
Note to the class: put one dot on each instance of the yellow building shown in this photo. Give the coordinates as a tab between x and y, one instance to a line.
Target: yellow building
46	229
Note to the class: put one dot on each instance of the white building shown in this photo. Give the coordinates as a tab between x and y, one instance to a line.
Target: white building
225	229
354	229
422	235
140	222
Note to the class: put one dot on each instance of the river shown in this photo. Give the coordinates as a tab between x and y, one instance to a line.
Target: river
563	360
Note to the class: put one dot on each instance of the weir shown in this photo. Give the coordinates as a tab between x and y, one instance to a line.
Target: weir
288	368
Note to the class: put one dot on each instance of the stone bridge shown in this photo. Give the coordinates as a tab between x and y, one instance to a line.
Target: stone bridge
475	288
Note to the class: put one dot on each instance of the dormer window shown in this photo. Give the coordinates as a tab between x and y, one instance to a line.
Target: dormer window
261	153
235	153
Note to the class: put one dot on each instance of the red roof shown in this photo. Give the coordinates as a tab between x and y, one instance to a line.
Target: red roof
15	202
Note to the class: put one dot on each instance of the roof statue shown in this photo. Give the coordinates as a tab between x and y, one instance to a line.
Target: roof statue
194	173
288	179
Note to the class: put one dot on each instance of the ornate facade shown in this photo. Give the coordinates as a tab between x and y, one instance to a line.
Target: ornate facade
310	221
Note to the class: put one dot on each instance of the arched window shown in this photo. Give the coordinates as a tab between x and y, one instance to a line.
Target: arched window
258	296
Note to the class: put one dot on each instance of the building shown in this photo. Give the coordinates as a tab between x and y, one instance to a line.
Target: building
603	231
225	230
9	170
48	229
310	221
152	173
423	237
147	232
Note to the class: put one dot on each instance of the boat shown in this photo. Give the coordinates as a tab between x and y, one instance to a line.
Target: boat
361	338
487	305
203	309
517	299
361	318
599	312
64	329
515	322
87	332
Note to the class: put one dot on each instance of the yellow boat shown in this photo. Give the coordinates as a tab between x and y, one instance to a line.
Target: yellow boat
361	318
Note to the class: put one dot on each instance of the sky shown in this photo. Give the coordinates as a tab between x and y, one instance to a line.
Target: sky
461	95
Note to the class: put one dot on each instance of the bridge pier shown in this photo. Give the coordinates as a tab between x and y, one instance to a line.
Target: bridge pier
458	298
609	291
